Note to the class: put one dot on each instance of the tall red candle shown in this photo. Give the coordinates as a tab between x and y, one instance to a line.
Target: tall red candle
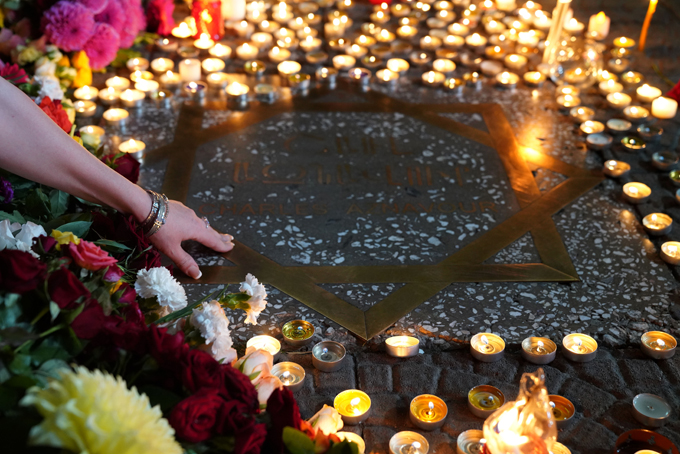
208	17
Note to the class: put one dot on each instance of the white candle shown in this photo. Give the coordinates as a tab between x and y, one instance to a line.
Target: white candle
131	146
516	62
170	79
246	51
212	65
664	108
233	10
118	83
598	25
529	39
506	5
459	29
610	86
647	93
542	22
137	64
190	69
476	41
147	86
288	68
219	50
276	54
162	65
86	93
132	98
618	100
262	39
397	65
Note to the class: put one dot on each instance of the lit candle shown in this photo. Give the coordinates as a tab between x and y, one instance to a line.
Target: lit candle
211	65
443	65
356	51
529	39
610	86
615	169
433	78
118	83
618	65
568	101
182	31
516	62
109	96
636	192
247	51
84	108
645	26
623	42
664	108
631	78
133	147
137	64
493	26
217	80
167	45
277	55
327	76
288	68
237	94
132	98
618	125
385	36
263	341
162	65
353	405
647	93
297	332
581	114
483	400
579	348
538	350
632	143
476	41
562	409
459	29
387	77
591	127
195	90
343	62
495	52
534	79
311	43
147	86
327	356
454	42
350	436
292	375
407	442
115	117
428	42
636	113
140	75
618	100
402	346
190	70
670	252
204	42
262	40
567	90
219	50
507	79
599	141
598	25
574	27
86	93
170	80
487	347
428	412
542	22
657	224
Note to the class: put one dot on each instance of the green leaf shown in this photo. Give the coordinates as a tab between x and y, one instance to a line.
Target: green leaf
50	369
344	447
161	396
20	364
54	310
297	442
110	244
78	228
14	217
58	202
184	312
254	375
15	336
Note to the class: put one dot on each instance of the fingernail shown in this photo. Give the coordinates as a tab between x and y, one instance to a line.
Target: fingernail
195	273
230	246
227	238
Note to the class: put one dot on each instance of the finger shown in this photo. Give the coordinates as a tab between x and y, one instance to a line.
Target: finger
185	263
213	239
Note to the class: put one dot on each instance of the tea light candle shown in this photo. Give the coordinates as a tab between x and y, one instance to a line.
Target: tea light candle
472	80
182	31
539	350
137	64
624	42
491	68
428	412
115	117
599	141
167	45
483	400
433	78
86	93
636	192
247	51
400	10
133	147
310	44
651	410
647	93
327	76
316	58
217	80
582	114
162	65
562	409
356	51
670	252
380	17
188	52
204	42
568	101
402	346
118	83
618	65
567	90
297	332
387	77
136	76
132	98
632	143
267	93
574	27
408	442
575	76
84	109
220	50
507	79
459	29
147	86
190	70
610	86
493	26
292	375
664	108
288	68
591	127
327	356
351	436
543	22
534	79
341	62
657	344
195	89
443	65
618	100
470	442
631	78
615	169
430	43
579	348
397	65
297	24
516	62
618	125
170	80
529	39
237	93
353	405
476	42
263	341
109	96
277	55
495	52
453	42
385	36
406	31
212	65
636	114
604	76
487	347
657	224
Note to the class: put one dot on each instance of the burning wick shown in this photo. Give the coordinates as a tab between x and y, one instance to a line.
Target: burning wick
634	191
672	250
660	344
285	378
539	347
485	347
611	165
353	405
414	449
325	356
578	346
430	409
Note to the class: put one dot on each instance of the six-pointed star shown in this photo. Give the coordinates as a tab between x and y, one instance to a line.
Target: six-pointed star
421	282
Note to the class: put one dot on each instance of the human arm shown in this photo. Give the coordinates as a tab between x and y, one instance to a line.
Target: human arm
34	147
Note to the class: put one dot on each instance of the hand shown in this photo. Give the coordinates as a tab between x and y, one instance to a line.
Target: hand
182	224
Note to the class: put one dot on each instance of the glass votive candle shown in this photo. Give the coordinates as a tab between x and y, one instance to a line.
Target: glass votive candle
632	143
167	44
562	409
568	101
657	224
534	79
292	375
610	86
345	62
162	65
247	51
618	100
599	141
539	350
581	114
618	125
433	78
636	192
670	252
86	93
118	83
220	50
487	347
483	400
507	80
134	148
651	410
354	438
664	108
631	78
623	42
353	405
408	442
591	127
327	356
428	412
657	344
297	332
476	42
132	98
212	65
288	68
217	80
647	93
263	341
116	117
579	348
665	160
615	169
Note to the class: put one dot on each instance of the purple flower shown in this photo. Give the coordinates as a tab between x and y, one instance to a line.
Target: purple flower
113	15
6	191
135	22
97	6
68	25
102	48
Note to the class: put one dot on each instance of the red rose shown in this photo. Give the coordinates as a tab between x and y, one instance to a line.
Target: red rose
113	274
200	370
125	230
284	412
166	349
674	92
90	256
44	244
64	288
239	386
125	165
56	112
20	272
128	332
235	420
90	321
194	419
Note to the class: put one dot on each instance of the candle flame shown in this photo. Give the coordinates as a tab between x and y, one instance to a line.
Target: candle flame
540	344
654	218
578	342
660	343
354	402
286	374
324	351
416	445
672	250
633	191
430	405
484	340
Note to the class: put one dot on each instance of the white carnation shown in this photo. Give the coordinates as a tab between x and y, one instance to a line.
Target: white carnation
158	283
213	324
258	298
23	241
45	67
49	87
221	349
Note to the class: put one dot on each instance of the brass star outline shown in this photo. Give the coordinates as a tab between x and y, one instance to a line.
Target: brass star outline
421	281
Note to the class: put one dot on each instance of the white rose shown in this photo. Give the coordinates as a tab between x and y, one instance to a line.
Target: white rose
258	298
327	420
256	364
266	387
24	238
45	67
158	283
49	87
7	240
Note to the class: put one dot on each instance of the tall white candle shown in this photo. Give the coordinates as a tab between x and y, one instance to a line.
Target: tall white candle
190	70
233	10
599	25
664	108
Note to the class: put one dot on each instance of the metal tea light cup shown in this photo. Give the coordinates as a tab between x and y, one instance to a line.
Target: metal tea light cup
469	442
402	346
298	332
407	441
428	412
353	405
299	83
162	98
658	345
539	350
651	410
487	347
562	409
579	348
292	375
328	356
483	400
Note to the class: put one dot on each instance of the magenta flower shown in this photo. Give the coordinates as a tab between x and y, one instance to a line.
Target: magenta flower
159	16
102	48
135	22
113	15
13	74
68	25
97	6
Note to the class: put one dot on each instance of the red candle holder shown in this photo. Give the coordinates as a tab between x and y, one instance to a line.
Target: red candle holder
208	17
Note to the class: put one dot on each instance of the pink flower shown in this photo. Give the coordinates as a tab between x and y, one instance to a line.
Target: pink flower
113	15
135	22
159	16
68	25
13	74
97	6
90	256
102	48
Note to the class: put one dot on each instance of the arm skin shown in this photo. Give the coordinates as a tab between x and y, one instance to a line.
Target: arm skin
34	147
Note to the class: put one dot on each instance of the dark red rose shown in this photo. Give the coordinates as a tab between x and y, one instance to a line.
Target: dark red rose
125	230
200	370
64	288
89	323
238	385
167	349
44	244
194	419
128	332
675	92
20	272
113	274
236	420
128	295
56	112
284	412
125	165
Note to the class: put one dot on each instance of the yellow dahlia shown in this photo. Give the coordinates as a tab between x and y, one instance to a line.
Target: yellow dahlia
94	413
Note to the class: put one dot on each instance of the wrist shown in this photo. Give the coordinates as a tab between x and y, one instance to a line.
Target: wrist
139	206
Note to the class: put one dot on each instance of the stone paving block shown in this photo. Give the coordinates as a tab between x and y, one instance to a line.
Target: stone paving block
459	411
389	410
335	382
554	379
377	438
440	443
588	399
672	368
509	390
384	358
672	431
414	378
563	364
604	373
643	375
457	361
619	418
504	370
375	378
457	384
594	438
466	421
311	404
